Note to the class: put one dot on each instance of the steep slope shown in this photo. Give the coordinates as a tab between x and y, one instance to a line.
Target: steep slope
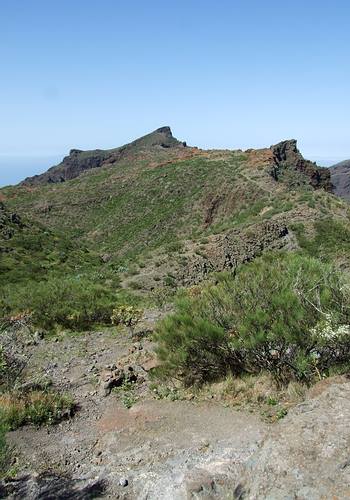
340	177
79	161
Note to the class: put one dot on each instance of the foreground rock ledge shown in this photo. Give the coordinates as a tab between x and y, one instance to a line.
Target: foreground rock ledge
307	455
160	445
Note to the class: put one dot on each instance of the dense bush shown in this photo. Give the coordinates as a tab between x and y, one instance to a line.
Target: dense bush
285	314
71	303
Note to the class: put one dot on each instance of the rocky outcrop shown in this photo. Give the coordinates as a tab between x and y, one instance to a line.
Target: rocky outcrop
287	156
79	161
340	176
227	251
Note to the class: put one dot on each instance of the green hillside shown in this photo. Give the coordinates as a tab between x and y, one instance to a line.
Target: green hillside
162	217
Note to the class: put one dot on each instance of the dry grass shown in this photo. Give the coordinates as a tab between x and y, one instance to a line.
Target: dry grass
34	407
256	393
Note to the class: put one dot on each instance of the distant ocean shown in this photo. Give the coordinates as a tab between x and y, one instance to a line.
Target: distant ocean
14	169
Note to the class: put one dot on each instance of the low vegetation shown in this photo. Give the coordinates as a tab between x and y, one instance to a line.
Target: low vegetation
35	407
67	302
23	402
285	314
329	241
4	450
29	407
126	315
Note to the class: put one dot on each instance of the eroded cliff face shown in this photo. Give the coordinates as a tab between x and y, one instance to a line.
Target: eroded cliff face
287	156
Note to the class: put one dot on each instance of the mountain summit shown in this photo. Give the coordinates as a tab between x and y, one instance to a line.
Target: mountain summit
78	161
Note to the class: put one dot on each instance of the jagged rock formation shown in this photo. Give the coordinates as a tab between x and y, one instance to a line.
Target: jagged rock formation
235	247
340	176
79	161
287	155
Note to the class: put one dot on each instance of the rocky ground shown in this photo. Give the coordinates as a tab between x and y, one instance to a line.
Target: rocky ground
124	442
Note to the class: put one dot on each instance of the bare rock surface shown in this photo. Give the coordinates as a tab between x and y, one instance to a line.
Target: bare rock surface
306	455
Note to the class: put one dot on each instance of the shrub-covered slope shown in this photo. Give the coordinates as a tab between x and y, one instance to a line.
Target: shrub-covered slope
29	250
157	214
50	279
160	195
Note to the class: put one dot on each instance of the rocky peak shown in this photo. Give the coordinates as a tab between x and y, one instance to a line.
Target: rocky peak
286	150
164	130
287	156
78	161
75	152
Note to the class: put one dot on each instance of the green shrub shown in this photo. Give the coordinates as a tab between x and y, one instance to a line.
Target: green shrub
331	239
269	317
162	295
135	285
175	246
71	303
170	281
126	315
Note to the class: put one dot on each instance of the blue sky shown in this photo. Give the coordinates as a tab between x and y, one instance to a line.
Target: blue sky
222	74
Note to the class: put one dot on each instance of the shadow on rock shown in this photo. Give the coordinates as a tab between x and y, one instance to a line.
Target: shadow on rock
49	486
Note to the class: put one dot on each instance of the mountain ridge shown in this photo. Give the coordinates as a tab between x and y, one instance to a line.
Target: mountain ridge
285	154
149	199
78	161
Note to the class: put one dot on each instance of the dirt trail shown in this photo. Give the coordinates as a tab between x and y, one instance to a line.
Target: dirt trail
162	449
